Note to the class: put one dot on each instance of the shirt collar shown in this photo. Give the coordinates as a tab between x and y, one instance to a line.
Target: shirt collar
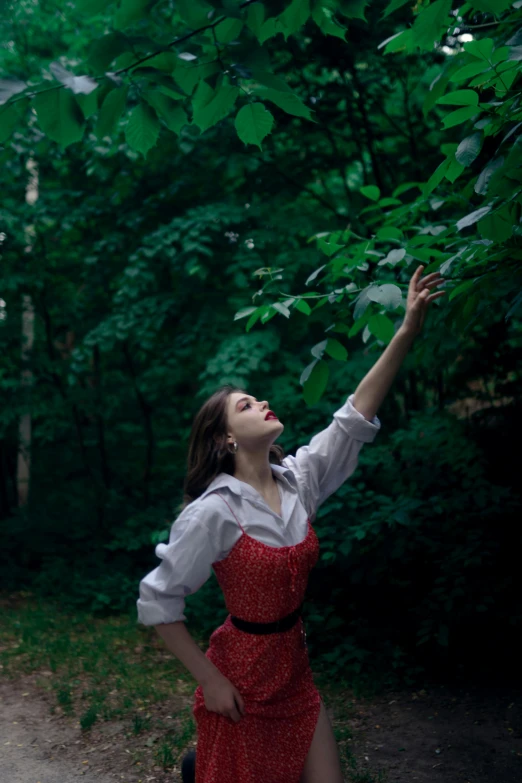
241	488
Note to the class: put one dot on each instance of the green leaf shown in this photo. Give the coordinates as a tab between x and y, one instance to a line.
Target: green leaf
472	217
359	324
437	177
77	84
482	183
393	257
270	80
219	105
500	55
104	50
307	372
314	274
494	7
393	6
253	123
515	53
389	202
353	9
371	191
402	41
164	61
454	170
468	72
244	312
381	327
468	149
168	110
497	226
388	295
188	76
336	350
228	30
129	11
318	349
316	383
194	12
400	189
303	307
481	49
459	289
288	101
429	24
389	232
460	98
10	116
294	17
268	314
281	308
59	116
269	29
88	103
255	18
142	129
10	87
111	110
325	20
328	248
256	315
459	116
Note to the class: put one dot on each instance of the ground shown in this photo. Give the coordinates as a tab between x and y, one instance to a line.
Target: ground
439	733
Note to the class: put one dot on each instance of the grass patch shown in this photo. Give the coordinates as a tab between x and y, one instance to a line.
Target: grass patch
101	670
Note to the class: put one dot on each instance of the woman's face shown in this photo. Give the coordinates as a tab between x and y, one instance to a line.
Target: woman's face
248	423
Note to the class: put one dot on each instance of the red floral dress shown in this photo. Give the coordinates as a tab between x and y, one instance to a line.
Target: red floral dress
270	743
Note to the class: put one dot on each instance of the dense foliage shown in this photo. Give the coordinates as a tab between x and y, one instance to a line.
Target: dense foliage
193	163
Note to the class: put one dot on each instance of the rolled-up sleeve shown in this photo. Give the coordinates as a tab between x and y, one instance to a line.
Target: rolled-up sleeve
186	564
332	455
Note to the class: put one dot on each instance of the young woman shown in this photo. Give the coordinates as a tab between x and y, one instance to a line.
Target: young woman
247	515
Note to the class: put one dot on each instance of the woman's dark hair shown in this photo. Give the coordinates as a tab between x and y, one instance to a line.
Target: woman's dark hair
208	453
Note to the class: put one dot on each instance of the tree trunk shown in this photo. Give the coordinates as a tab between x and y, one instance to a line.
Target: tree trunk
23	471
23	468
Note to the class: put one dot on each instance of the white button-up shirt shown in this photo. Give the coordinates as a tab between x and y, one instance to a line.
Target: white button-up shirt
205	531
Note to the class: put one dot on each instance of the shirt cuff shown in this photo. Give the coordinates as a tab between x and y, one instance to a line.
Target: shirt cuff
156	612
354	424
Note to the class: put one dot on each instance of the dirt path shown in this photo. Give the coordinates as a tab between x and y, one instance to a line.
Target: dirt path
443	735
436	735
33	742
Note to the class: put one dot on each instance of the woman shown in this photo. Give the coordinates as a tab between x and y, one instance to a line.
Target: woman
248	515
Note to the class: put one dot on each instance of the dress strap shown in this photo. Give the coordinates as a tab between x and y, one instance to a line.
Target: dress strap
215	492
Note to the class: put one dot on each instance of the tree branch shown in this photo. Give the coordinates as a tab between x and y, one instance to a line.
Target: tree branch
176	41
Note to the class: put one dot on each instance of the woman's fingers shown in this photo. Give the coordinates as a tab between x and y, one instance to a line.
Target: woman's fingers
434	283
431	297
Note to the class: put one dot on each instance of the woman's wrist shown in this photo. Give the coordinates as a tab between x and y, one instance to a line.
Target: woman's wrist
405	334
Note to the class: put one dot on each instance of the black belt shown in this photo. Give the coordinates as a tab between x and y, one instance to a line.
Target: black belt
283	624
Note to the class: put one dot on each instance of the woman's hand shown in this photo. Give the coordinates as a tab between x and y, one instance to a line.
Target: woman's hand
419	298
223	697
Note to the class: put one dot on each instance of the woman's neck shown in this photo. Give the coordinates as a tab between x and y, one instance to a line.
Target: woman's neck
255	470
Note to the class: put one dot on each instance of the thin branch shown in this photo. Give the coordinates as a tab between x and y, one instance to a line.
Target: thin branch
182	38
176	41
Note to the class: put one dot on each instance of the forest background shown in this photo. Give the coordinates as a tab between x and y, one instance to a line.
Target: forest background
200	192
